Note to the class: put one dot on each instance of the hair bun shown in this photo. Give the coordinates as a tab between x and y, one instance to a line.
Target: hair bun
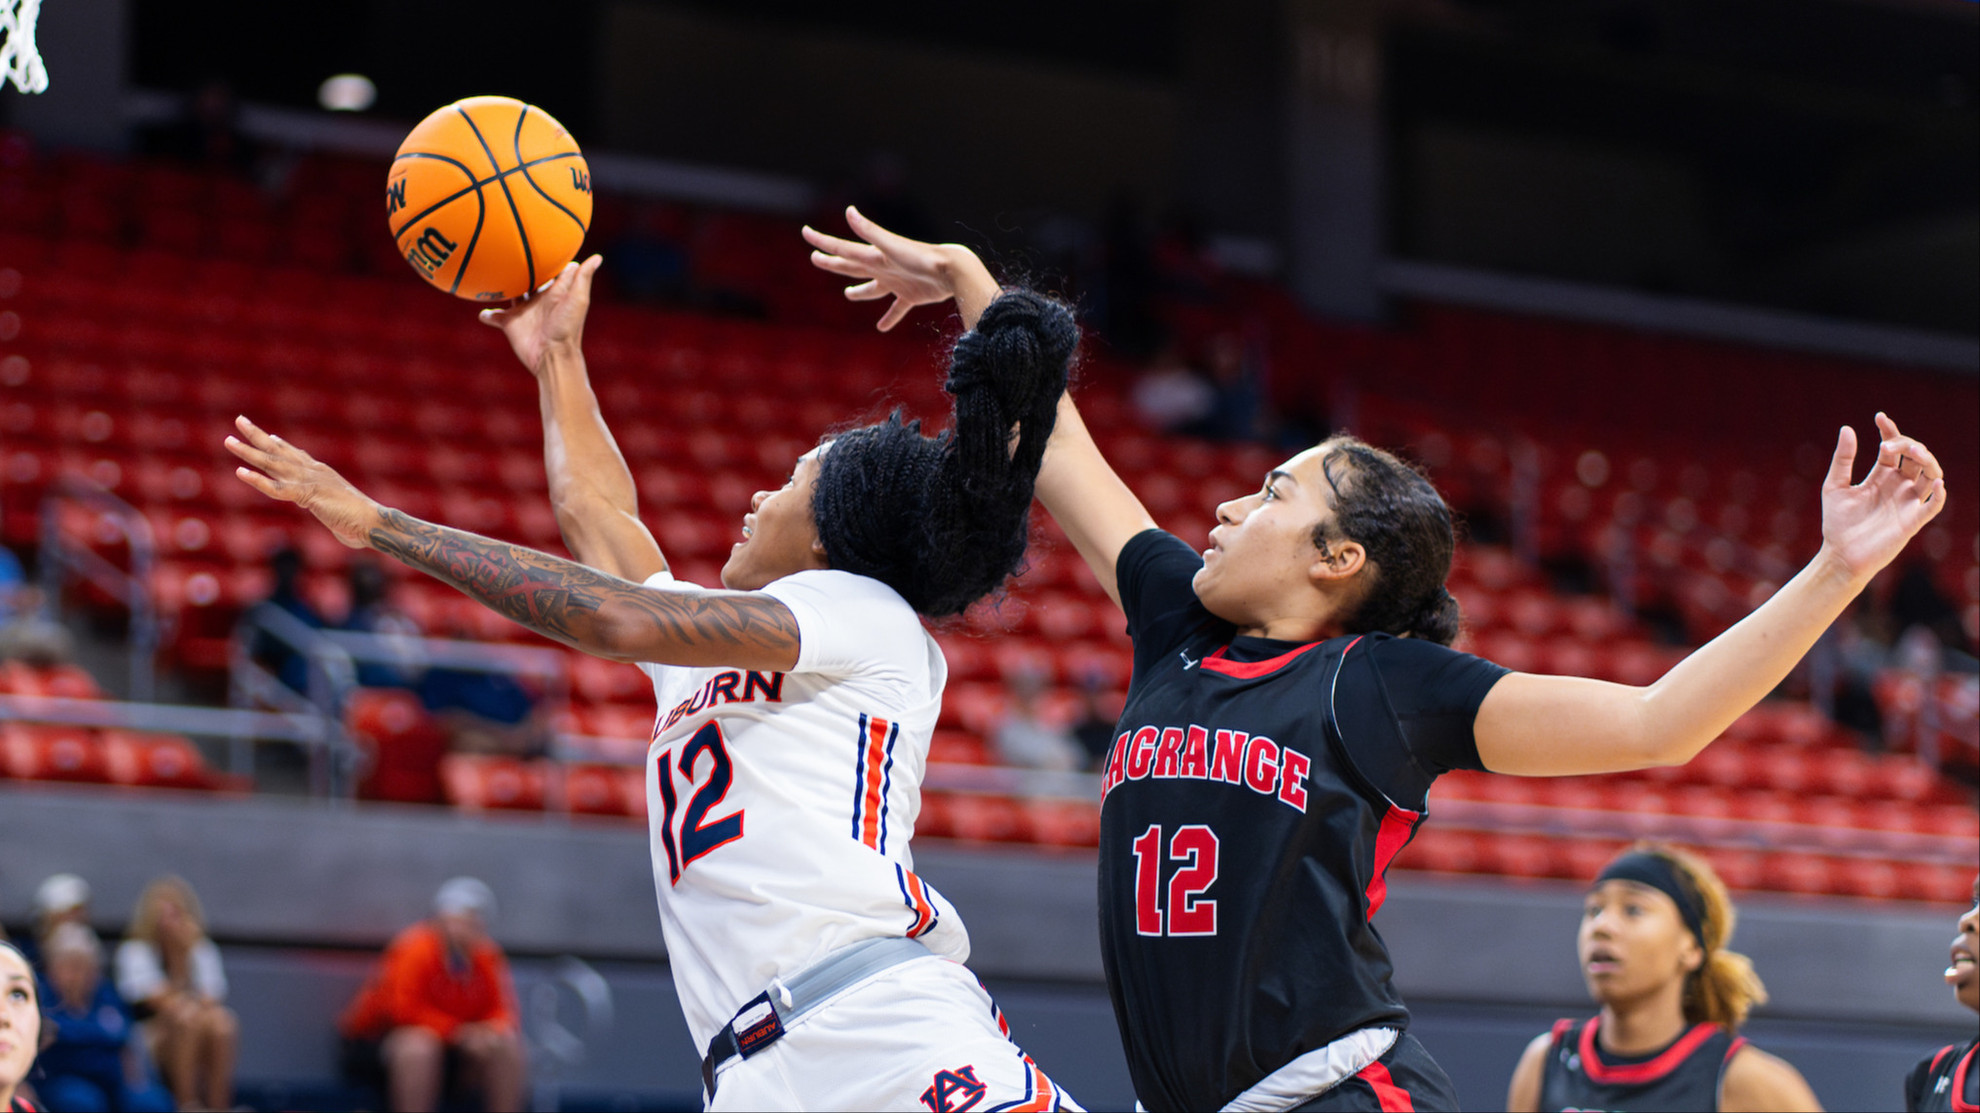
1019	349
944	520
1438	618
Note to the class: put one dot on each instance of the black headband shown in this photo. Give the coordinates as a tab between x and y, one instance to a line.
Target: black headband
1657	872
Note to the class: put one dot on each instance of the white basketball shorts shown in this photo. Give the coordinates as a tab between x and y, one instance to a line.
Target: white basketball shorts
923	1035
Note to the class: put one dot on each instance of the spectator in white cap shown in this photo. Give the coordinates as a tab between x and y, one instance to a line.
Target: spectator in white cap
63	898
439	1014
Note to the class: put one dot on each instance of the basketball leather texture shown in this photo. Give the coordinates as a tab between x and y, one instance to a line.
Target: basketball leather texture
488	198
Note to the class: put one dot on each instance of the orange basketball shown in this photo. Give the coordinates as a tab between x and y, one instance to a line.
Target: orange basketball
488	198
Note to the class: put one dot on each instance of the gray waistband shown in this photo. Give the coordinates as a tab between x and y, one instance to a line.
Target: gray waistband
818	983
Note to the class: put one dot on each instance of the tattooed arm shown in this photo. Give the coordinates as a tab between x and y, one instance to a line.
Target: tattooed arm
600	614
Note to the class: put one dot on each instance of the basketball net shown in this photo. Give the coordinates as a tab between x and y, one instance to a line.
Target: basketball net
18	58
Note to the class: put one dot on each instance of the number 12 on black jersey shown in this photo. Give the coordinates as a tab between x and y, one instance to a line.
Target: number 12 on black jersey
1194	848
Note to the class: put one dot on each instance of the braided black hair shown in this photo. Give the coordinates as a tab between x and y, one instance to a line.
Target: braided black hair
1405	526
943	519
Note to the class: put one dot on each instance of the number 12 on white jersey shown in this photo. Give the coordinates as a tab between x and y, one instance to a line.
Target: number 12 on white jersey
695	834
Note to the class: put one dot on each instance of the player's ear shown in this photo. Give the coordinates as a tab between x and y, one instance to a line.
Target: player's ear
1336	561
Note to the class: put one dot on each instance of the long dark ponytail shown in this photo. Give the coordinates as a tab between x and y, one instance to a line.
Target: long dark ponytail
943	520
1405	527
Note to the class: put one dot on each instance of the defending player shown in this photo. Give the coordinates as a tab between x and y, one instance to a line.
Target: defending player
1949	1081
815	969
1293	697
1652	946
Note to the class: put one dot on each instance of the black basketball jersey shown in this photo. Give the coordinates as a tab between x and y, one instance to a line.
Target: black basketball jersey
1254	796
1944	1083
1682	1078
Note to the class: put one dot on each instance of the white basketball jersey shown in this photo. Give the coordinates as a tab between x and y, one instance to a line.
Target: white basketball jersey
780	804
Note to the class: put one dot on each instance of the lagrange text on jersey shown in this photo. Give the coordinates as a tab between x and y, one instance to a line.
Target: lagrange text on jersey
721	688
1201	754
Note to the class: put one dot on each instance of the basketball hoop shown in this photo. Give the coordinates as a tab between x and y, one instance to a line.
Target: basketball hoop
18	58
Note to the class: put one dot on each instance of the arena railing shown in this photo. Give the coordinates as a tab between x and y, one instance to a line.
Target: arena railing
63	561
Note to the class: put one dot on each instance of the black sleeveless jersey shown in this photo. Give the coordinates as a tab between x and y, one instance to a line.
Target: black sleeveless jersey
1254	797
1683	1078
1948	1082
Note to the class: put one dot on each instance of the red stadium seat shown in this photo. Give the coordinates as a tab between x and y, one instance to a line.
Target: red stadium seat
404	744
987	818
477	782
958	747
1443	850
1063	822
598	789
53	753
156	761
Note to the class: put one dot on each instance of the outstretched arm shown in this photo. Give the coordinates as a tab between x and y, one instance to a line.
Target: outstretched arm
591	489
1078	486
583	608
1560	726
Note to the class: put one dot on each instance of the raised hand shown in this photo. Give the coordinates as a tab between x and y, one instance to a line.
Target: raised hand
909	271
282	471
1865	525
549	320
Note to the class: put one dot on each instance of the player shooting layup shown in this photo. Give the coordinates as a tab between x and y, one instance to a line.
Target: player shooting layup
816	970
1294	695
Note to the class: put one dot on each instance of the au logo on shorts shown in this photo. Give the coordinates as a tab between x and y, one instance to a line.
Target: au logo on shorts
953	1091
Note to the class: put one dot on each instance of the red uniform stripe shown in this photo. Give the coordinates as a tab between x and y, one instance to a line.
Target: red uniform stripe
1391	1097
1959	1102
1251	670
924	912
873	771
1639	1073
1389	841
1039	1097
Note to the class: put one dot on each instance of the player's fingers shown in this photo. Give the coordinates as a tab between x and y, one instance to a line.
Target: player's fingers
872	233
1910	457
865	291
1886	428
895	314
259	482
839	264
255	434
1843	460
248	452
832	245
493	317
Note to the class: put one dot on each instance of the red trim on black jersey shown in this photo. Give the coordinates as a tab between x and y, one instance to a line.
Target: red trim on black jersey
1391	1097
1959	1102
1397	824
1637	1074
1252	670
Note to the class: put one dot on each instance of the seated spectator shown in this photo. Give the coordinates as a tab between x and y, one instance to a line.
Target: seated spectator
1024	738
1171	396
288	665
373	612
30	635
440	1007
20	1028
92	1063
485	712
1095	729
170	973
